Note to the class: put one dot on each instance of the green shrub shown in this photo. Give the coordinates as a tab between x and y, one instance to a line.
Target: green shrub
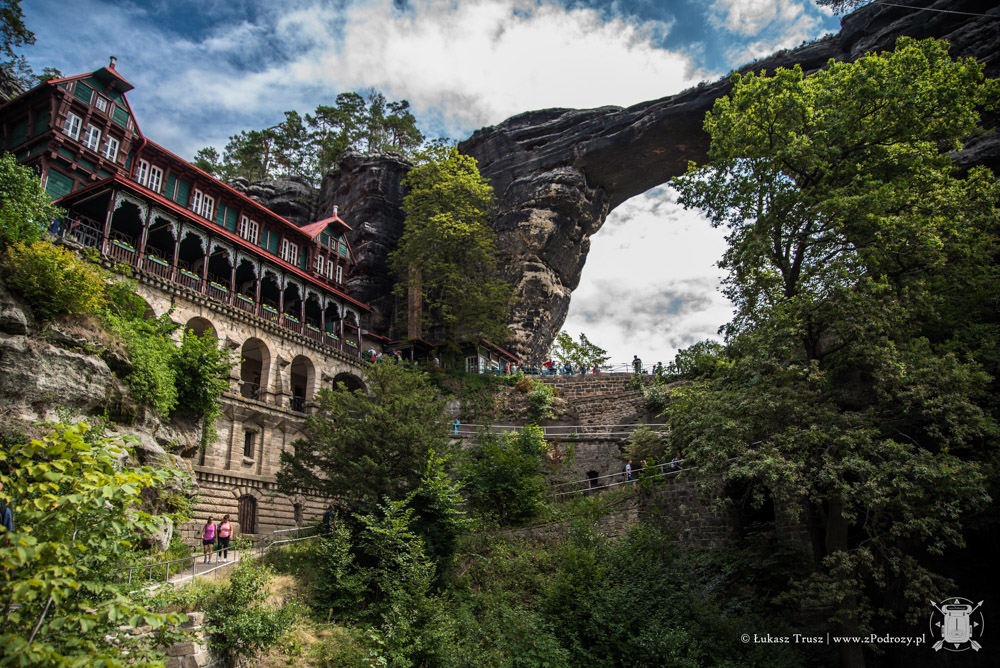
201	374
53	280
150	351
540	402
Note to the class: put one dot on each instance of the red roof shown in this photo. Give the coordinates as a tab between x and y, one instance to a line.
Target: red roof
220	231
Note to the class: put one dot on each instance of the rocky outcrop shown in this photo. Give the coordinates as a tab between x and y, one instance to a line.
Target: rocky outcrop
368	191
558	172
289	197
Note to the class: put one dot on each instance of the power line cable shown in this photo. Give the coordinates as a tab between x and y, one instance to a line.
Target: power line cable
932	9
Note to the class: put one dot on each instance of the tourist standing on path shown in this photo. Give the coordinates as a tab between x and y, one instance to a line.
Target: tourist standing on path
208	539
636	363
328	520
628	471
225	533
456	423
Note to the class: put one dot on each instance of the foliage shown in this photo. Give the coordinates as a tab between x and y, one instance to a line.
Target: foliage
309	147
644	443
201	368
437	515
362	447
241	621
857	258
152	377
379	574
52	279
540	402
447	253
25	208
585	353
697	361
78	516
640	602
503	474
13	32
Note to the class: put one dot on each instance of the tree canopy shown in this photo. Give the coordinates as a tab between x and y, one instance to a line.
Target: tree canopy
25	208
362	447
307	147
859	266
447	254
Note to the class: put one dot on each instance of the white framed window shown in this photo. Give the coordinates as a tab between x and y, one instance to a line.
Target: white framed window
289	252
202	204
330	267
340	274
155	178
92	138
102	103
319	263
249	229
142	173
72	126
109	149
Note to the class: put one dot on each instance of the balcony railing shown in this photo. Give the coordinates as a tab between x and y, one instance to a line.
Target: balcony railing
122	248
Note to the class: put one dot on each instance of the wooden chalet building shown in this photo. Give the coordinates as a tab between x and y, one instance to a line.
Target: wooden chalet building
139	204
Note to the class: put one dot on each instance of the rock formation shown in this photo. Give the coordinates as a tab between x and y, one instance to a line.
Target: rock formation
558	172
289	197
368	190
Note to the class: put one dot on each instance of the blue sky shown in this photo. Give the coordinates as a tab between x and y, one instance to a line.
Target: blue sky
204	70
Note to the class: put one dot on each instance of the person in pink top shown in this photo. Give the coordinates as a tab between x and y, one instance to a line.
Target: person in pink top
208	539
225	532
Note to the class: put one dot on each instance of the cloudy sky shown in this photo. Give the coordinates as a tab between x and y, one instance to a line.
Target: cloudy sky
205	69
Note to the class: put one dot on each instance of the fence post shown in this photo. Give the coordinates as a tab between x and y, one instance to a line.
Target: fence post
166	578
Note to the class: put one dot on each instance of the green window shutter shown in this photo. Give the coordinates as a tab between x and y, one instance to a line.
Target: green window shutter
58	184
128	161
83	92
220	214
42	123
231	220
302	260
343	249
264	235
183	190
272	244
19	133
120	116
171	184
324	239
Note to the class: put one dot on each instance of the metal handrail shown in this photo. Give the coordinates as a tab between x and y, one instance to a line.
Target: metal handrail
678	463
264	544
556	430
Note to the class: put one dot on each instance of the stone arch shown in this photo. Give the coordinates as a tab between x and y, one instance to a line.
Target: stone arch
126	223
255	368
201	326
302	382
350	381
192	254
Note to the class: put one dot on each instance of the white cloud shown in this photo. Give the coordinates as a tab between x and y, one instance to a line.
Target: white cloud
650	286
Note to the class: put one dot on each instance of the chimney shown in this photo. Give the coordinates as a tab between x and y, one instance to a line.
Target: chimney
334	209
114	60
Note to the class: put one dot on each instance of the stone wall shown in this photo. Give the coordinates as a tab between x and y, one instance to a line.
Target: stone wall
600	399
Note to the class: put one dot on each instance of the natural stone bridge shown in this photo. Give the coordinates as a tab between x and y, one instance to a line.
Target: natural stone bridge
558	173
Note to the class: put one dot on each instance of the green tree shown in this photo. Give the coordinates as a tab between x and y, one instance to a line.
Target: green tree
25	208
851	236
701	359
78	518
504	475
366	446
447	253
565	349
53	280
13	32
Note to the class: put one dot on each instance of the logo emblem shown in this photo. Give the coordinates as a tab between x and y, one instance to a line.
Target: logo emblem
957	623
